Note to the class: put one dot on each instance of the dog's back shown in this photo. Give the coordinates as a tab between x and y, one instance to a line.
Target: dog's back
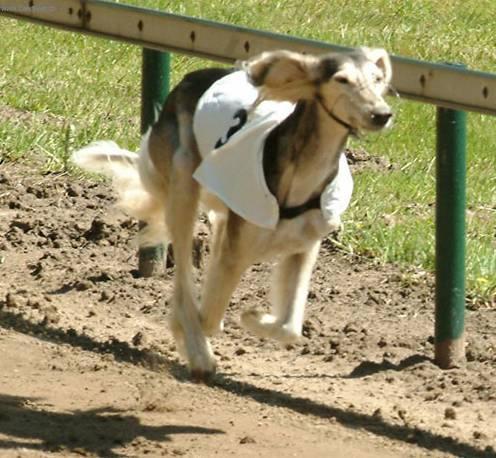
141	180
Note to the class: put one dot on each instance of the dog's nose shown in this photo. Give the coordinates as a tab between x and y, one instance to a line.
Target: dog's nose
380	119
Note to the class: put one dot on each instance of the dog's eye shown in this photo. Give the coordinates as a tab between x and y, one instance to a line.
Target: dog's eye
341	79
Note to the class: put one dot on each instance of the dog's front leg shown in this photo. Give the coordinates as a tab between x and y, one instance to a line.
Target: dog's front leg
226	265
289	295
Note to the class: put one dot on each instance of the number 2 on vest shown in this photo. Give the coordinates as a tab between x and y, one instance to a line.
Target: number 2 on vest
241	117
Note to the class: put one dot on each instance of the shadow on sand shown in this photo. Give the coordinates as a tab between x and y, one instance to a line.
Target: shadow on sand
122	351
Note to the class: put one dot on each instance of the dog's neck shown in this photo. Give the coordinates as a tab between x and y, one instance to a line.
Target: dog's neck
347	126
302	155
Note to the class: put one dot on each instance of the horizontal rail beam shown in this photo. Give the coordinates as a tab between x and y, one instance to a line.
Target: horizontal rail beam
437	84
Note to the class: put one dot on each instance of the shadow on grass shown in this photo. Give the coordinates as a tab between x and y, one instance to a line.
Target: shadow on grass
96	432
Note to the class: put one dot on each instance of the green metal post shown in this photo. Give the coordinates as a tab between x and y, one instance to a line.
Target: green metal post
450	237
155	83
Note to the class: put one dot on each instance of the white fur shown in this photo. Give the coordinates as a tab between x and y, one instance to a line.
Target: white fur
129	172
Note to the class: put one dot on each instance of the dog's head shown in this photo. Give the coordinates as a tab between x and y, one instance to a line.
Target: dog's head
349	86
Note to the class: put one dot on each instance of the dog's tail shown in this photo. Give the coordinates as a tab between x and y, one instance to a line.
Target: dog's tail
132	178
105	157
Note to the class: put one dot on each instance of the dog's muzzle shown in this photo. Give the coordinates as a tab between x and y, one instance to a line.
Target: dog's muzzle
381	118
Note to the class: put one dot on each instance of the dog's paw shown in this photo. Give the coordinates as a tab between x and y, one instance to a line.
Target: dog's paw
258	322
200	357
202	365
267	326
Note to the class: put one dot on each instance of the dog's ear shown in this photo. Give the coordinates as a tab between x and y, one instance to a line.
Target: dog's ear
380	57
283	75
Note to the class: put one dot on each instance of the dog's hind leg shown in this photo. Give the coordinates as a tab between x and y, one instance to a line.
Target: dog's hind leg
181	212
289	295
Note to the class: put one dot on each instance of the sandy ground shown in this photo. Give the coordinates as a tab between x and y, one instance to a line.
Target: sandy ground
89	368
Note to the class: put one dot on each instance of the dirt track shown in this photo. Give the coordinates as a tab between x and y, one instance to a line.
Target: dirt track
88	367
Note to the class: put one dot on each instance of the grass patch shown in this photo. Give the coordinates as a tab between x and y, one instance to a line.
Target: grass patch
59	91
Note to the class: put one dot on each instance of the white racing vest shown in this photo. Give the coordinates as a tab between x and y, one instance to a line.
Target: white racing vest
231	137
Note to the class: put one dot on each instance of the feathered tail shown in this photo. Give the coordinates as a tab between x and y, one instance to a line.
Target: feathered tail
130	173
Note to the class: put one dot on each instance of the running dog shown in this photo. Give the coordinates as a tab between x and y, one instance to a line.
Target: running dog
260	146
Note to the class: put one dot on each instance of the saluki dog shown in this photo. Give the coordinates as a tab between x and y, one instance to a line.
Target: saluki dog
325	99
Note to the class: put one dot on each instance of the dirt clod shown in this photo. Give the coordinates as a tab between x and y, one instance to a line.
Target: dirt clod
450	413
247	440
138	339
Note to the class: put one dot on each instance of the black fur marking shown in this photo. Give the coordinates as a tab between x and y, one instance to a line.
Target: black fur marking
276	149
328	67
195	84
258	80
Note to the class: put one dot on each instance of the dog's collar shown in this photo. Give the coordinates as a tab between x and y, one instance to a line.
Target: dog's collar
311	204
352	130
314	202
293	212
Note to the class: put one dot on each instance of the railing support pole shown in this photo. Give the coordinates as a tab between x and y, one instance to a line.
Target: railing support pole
450	237
155	81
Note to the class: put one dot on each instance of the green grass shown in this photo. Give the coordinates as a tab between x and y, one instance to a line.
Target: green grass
59	91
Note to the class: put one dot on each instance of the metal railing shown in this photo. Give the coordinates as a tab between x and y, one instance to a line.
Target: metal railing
438	84
453	89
